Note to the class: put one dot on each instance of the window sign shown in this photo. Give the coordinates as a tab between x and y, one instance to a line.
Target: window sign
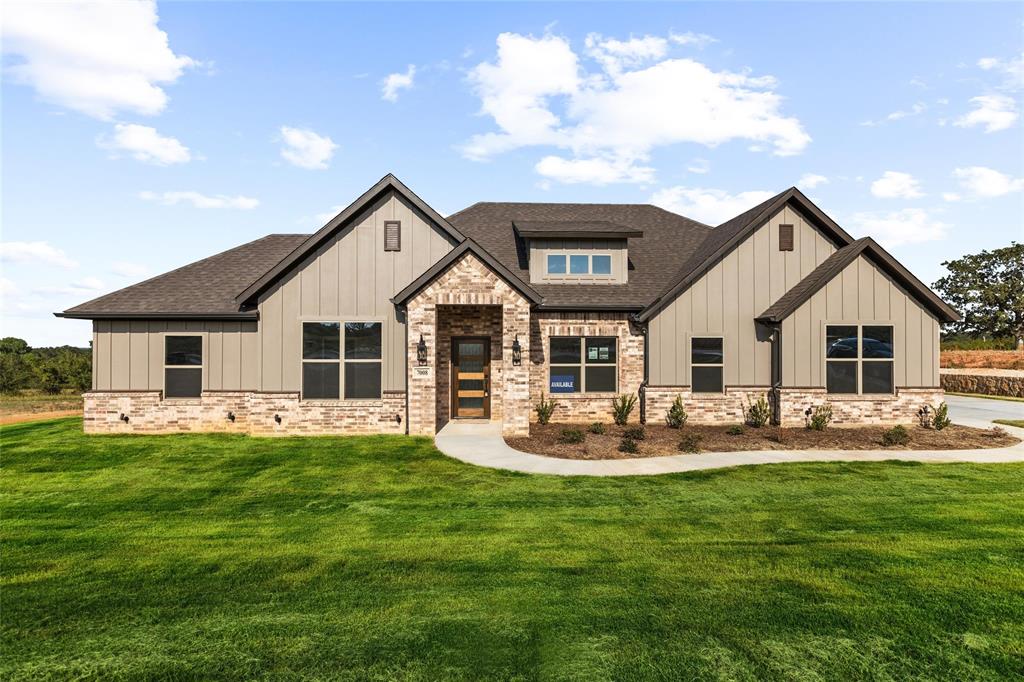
563	383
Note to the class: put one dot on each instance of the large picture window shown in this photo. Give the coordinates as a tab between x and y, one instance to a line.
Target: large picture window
183	366
707	363
583	364
328	373
859	358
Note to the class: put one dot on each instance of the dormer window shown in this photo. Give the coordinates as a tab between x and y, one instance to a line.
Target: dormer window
579	265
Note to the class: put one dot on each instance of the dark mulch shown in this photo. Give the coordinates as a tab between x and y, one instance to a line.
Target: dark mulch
661	440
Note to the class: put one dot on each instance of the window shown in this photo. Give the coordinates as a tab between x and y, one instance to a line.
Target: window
579	264
583	365
392	235
183	366
327	375
707	362
859	358
785	237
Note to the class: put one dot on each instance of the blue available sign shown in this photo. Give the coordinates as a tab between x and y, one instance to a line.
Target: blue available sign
563	384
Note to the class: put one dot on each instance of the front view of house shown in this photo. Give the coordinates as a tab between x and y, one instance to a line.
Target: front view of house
394	319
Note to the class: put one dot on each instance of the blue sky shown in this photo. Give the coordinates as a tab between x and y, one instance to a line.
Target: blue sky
138	138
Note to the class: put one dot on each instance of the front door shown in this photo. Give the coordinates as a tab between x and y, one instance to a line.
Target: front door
471	377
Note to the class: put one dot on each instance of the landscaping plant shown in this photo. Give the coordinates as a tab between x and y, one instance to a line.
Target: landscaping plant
634	433
597	428
735	430
622	406
545	408
676	415
628	445
690	443
819	417
759	413
897	435
941	418
571	436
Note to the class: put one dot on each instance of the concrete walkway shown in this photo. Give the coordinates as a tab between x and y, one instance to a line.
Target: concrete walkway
482	445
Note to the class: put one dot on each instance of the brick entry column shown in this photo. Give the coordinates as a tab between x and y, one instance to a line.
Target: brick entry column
468	281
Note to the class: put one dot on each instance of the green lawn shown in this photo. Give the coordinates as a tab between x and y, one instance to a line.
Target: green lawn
215	556
1019	423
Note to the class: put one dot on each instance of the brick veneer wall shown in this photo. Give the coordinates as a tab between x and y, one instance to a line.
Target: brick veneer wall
585	407
469	282
729	407
254	413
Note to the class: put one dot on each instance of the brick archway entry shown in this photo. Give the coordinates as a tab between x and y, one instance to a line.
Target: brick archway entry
468	298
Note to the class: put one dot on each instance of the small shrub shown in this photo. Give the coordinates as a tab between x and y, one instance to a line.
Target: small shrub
779	435
897	435
622	406
941	419
819	417
597	428
690	443
545	408
924	416
997	432
735	430
676	415
571	436
759	413
628	445
634	433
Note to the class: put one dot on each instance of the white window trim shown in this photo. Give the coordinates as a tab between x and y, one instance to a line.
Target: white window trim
582	364
201	366
342	321
690	363
859	360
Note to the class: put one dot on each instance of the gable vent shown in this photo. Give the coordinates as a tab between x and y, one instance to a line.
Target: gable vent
785	237
392	235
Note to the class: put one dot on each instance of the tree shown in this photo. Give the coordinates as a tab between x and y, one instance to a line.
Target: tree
15	369
988	290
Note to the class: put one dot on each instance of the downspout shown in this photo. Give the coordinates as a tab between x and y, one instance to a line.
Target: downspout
405	314
642	391
776	390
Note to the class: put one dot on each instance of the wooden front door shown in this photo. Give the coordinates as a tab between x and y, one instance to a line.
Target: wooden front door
471	377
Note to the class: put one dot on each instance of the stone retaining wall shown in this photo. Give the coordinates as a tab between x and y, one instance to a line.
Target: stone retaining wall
1007	384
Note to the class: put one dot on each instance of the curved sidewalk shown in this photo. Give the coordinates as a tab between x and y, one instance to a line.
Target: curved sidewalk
482	445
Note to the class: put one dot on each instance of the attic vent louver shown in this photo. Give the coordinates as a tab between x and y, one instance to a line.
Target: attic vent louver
392	235
785	237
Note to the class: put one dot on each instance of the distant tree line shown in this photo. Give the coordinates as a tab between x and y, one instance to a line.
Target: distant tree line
50	370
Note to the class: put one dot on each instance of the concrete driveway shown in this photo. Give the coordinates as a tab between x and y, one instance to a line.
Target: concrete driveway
981	411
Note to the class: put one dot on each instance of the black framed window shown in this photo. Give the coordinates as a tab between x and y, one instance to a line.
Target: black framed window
363	343
859	358
321	356
183	366
583	364
341	359
707	364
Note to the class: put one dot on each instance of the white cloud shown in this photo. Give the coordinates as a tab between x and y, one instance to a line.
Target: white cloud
85	286
394	82
306	149
321	219
200	200
984	183
895	185
699	166
1012	69
34	252
710	206
146	144
950	196
918	108
698	40
94	57
896	228
595	171
811	180
539	94
126	269
995	112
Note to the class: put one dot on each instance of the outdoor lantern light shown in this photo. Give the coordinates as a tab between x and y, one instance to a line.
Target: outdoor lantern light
421	351
517	352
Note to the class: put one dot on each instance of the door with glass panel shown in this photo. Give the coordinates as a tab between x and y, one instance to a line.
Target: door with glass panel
471	377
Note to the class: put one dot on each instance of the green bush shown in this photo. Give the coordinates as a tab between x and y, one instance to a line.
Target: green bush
897	435
545	408
735	430
968	343
759	413
629	446
622	406
819	417
597	428
635	433
941	419
676	415
690	443
571	436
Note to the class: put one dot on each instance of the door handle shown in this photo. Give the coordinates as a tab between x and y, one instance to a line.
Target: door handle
487	386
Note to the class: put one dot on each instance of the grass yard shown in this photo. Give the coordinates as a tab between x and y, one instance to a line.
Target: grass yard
219	556
32	405
1019	423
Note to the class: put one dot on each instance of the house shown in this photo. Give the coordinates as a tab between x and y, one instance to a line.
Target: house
395	319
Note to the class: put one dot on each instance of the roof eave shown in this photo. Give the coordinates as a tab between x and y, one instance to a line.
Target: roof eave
108	315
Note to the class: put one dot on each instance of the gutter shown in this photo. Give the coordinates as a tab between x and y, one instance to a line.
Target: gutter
254	315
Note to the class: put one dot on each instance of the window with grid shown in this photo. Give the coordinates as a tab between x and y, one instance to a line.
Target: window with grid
183	366
328	373
707	364
579	264
859	358
583	364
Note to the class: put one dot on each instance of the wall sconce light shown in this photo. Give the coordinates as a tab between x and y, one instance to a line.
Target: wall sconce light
231	416
517	352
277	418
123	417
421	351
398	418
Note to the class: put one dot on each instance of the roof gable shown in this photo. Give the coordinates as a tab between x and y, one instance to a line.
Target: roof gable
389	183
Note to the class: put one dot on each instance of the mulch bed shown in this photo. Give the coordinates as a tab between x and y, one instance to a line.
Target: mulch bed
661	440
